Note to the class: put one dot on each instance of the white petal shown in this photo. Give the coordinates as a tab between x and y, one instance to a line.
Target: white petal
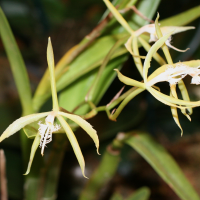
195	80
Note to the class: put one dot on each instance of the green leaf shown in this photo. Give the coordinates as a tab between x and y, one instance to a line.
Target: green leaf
79	88
17	65
182	18
140	194
102	175
163	163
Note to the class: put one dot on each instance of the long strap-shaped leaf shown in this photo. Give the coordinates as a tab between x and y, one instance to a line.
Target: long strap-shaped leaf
163	164
17	64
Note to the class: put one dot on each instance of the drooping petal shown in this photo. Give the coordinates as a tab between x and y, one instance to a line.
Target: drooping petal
164	101
84	125
173	100
174	109
20	123
185	96
172	47
34	147
174	94
74	143
129	81
175	117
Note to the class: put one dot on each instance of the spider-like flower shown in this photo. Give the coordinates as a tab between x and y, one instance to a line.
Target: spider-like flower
150	28
44	134
172	75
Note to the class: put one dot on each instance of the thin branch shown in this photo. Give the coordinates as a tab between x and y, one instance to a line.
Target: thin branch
137	12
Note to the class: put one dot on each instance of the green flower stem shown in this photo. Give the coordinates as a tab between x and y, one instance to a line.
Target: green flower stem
118	16
92	90
125	102
103	173
121	98
106	108
50	60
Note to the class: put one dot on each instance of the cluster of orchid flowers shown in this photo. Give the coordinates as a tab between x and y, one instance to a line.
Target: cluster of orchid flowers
172	73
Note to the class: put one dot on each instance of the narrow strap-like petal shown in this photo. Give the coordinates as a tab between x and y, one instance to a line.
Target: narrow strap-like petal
128	81
153	49
84	125
20	123
34	147
74	143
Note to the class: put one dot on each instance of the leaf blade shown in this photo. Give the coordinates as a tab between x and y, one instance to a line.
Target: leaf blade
163	164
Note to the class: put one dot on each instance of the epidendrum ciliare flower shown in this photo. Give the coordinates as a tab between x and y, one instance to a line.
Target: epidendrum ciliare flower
150	28
160	36
44	134
174	74
171	73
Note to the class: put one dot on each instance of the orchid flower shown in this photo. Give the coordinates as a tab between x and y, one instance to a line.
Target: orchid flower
172	74
150	28
44	134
